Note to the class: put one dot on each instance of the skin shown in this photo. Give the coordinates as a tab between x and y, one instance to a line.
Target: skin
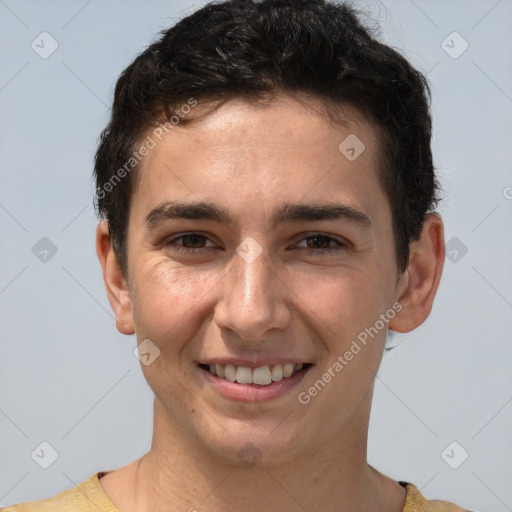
285	304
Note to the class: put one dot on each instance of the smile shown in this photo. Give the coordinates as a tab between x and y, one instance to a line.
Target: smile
261	376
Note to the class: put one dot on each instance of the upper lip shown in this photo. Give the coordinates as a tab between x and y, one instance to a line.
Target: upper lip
252	363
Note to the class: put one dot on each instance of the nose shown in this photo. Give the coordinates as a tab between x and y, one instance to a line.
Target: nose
254	299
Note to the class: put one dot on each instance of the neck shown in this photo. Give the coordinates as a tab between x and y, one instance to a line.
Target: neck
333	476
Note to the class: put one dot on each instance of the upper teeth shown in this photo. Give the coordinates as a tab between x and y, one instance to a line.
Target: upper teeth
262	375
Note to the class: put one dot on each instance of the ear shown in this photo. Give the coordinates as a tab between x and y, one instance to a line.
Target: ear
419	283
115	282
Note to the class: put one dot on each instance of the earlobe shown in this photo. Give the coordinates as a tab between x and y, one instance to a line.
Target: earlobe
421	280
116	284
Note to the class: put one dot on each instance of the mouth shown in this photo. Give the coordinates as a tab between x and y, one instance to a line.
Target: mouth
260	376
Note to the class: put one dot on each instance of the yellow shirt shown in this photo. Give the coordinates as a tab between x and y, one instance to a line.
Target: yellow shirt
89	497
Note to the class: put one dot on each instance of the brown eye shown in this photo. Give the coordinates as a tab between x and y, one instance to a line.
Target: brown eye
192	240
319	244
191	243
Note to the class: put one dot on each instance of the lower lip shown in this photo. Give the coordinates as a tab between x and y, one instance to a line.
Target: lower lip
254	392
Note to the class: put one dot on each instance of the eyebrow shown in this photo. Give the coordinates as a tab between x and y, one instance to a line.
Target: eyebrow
285	213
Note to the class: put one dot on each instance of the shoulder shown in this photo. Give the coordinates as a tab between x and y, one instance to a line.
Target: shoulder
85	497
416	502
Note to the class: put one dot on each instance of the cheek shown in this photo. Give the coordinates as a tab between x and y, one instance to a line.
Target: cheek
341	302
168	302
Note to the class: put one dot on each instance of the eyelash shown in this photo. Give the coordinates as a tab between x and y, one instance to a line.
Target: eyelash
315	251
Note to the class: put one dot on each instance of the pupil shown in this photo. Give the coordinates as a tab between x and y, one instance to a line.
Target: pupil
192	239
317	241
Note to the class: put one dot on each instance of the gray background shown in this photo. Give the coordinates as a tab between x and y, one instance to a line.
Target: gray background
68	378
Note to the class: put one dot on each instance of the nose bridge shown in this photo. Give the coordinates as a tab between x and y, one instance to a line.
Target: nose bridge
253	300
251	283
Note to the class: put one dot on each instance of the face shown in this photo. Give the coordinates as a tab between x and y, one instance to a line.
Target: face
255	243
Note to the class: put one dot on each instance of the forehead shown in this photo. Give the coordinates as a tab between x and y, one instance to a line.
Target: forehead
302	119
250	151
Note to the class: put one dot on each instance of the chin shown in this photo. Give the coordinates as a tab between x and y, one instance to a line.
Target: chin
255	442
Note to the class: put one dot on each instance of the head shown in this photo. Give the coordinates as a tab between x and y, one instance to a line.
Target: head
236	50
278	119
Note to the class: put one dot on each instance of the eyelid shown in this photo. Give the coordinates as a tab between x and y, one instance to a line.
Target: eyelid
340	244
181	235
334	238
